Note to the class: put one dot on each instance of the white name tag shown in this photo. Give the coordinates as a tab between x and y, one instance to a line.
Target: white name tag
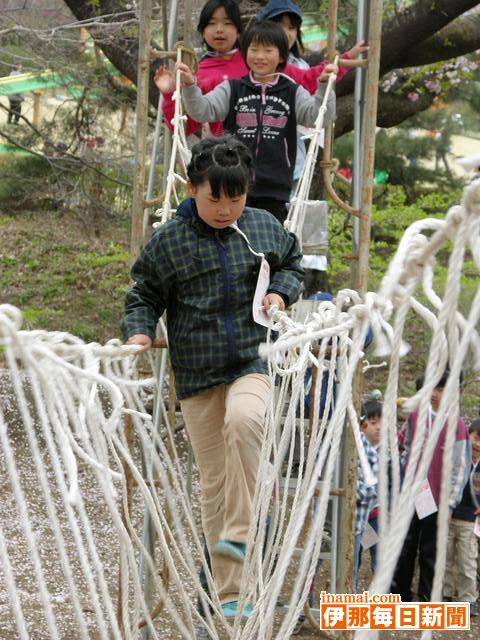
425	503
369	538
476	528
259	314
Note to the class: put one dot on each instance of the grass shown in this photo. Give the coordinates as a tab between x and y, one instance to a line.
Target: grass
63	275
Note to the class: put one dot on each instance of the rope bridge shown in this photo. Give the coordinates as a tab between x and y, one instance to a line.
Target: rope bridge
82	462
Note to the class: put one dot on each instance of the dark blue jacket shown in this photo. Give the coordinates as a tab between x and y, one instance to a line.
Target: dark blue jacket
205	279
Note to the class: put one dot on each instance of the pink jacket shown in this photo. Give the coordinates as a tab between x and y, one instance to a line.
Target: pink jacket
212	71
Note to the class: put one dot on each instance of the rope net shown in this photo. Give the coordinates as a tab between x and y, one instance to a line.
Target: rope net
98	535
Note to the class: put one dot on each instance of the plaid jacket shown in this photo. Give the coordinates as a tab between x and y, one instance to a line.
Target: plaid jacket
205	279
365	495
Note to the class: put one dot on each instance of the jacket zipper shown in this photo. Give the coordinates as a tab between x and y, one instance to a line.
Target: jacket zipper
228	318
286	152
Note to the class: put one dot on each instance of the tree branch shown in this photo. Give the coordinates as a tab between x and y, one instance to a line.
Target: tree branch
119	44
416	24
409	30
424	32
392	110
460	37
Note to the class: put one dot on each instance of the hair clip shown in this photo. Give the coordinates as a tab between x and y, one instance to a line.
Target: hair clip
231	144
229	150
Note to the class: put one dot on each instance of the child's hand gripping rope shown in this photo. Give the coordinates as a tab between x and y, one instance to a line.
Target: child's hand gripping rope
272	299
329	68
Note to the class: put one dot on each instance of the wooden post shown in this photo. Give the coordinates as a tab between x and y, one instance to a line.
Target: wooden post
129	438
332	30
360	272
360	283
136	240
37	112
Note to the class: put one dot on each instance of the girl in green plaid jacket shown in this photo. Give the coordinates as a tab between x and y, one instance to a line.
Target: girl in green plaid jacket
202	267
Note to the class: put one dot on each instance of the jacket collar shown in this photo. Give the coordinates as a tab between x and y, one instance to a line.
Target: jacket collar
188	214
270	83
278	83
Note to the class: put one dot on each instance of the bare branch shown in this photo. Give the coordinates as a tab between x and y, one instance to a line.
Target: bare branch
460	37
57	162
393	109
409	30
416	24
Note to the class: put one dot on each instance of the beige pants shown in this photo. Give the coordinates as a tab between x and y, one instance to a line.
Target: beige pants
462	551
225	425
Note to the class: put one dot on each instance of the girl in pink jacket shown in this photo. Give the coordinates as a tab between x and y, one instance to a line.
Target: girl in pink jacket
220	25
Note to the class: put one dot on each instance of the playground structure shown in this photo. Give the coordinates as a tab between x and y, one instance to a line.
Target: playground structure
96	413
78	445
369	26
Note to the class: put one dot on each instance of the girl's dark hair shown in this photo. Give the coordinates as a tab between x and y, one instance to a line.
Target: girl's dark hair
296	21
475	427
231	9
267	33
441	384
224	162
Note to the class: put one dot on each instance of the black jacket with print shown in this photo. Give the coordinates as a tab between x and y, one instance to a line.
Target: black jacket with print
263	117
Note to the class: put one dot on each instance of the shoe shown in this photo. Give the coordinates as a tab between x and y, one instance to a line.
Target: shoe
473	610
230	609
447	599
299	625
234	550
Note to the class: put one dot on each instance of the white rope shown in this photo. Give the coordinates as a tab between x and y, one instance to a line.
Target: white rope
179	149
65	456
296	213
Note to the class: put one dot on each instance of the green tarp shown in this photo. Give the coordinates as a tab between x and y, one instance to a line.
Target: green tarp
33	82
25	82
7	148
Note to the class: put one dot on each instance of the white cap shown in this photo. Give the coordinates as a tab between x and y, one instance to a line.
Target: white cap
470	163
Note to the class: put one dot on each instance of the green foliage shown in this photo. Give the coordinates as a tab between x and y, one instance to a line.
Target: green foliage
84	331
4	219
20	175
415	153
94	260
95	4
388	224
31	316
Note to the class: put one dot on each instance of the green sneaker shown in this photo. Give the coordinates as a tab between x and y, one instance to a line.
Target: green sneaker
234	550
230	609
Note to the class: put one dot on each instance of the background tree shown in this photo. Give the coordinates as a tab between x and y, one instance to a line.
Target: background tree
76	157
416	33
426	55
